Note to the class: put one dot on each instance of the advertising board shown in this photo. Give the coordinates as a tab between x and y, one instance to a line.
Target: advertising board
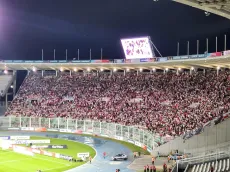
84	154
57	147
19	137
21	142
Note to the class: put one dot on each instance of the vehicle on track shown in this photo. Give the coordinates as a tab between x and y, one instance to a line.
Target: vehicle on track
119	157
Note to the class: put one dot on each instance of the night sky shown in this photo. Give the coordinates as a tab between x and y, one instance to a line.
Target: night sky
27	26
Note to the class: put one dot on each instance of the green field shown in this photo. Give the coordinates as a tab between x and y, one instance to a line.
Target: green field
14	162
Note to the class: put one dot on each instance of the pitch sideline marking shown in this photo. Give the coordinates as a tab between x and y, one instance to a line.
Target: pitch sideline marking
51	161
13	160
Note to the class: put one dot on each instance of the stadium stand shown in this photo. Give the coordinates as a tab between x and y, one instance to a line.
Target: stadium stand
218	161
168	104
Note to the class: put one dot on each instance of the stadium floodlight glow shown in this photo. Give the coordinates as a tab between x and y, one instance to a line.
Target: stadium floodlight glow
11	86
5	71
218	67
75	70
61	69
141	69
179	69
192	68
102	69
88	69
154	69
127	69
34	69
166	69
115	69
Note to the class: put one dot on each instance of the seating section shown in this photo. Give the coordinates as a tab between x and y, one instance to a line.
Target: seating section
168	104
221	165
4	83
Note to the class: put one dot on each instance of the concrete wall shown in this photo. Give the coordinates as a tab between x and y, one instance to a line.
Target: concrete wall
214	137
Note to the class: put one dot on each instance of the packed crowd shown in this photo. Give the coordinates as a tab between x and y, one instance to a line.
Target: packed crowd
164	103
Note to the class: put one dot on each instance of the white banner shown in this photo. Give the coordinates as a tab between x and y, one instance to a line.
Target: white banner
81	155
19	137
65	131
138	144
226	52
22	142
118	138
27	128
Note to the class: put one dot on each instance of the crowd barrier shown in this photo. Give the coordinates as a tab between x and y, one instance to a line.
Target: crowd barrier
143	60
131	134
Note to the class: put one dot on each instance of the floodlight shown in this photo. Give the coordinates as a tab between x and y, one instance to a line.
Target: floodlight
5	71
34	69
114	69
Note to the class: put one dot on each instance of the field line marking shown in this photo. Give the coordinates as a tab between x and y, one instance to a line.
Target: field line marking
49	169
2	162
50	161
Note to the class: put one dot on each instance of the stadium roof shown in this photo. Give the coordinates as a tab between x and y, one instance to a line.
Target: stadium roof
223	61
218	7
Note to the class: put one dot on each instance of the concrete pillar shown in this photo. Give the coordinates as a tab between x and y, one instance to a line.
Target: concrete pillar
70	73
42	73
124	72
14	82
111	72
204	71
56	72
137	72
6	100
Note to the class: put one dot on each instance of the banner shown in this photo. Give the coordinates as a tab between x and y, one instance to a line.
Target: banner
197	56
57	147
226	52
81	155
5	137
22	142
101	61
65	157
13	128
118	138
148	60
39	146
65	131
80	61
138	144
19	137
119	61
52	129
27	128
216	54
40	129
162	59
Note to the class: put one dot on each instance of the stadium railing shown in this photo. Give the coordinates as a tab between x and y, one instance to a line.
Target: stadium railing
131	134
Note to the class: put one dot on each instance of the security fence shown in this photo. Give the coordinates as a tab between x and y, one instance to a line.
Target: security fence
131	134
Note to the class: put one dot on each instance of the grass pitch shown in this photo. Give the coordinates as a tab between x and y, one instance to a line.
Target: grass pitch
14	162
